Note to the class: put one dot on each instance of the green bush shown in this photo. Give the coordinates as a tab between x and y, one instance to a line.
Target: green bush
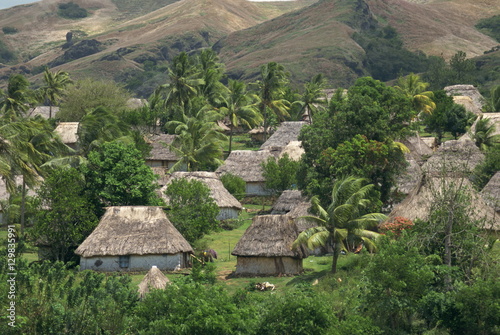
9	30
234	184
490	26
71	10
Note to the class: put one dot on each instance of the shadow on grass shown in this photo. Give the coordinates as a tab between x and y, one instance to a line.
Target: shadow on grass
308	277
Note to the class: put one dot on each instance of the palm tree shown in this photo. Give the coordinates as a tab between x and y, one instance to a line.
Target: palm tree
199	142
415	89
240	107
483	134
184	83
493	103
17	99
55	84
211	71
343	223
313	95
271	90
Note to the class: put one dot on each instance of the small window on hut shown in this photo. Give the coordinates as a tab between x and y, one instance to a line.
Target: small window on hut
124	261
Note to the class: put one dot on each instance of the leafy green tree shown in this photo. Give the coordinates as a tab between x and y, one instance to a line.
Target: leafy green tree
462	68
487	168
240	107
343	224
116	175
280	174
447	117
493	102
54	87
65	217
86	95
271	85
198	143
234	184
192	209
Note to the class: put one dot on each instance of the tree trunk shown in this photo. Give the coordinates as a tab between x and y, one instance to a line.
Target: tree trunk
23	206
230	138
336	254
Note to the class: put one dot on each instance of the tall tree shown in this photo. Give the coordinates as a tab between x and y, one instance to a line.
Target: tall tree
54	87
212	72
346	218
198	142
313	95
240	107
17	99
415	89
273	79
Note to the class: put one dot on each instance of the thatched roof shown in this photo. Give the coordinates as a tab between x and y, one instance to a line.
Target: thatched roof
286	132
419	150
162	173
246	164
134	103
154	279
430	141
270	236
491	192
468	91
133	230
43	111
467	103
418	203
454	157
218	192
159	144
68	131
294	150
287	201
407	180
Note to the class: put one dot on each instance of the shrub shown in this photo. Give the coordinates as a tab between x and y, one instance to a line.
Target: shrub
9	30
234	184
71	10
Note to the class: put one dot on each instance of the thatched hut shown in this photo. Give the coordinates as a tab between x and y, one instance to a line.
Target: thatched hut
491	192
294	150
160	154
154	279
419	150
265	248
259	135
133	238
456	158
287	202
228	205
467	91
287	132
247	165
419	202
68	131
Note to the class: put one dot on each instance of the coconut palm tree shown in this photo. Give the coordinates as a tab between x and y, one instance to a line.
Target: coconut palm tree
313	95
240	107
344	223
414	88
273	79
16	100
483	134
198	142
184	84
211	71
54	86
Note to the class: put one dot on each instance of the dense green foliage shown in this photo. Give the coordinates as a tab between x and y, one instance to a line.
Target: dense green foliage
490	26
6	55
9	30
487	168
65	217
116	175
234	184
191	208
71	10
280	174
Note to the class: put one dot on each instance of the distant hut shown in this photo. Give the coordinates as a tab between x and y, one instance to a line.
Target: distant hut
246	164
430	141
228	205
408	179
258	134
491	192
160	154
44	111
467	103
419	202
265	248
133	238
419	150
287	132
456	158
467	91
288	201
68	131
294	150
154	279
